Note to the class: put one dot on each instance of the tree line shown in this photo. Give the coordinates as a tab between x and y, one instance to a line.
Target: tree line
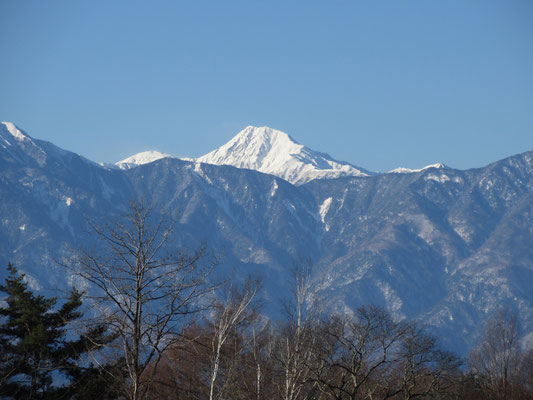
154	324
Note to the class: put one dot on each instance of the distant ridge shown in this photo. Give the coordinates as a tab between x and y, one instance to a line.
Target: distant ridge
273	152
402	170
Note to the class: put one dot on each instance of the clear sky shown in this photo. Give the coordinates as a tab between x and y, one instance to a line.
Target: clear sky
381	84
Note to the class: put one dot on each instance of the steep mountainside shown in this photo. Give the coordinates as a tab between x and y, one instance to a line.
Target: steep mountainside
448	246
46	195
443	245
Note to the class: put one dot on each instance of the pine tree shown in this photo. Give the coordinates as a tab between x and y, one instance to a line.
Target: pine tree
35	345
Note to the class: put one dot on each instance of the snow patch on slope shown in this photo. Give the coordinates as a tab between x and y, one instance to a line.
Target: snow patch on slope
198	169
274	152
441	179
324	208
274	188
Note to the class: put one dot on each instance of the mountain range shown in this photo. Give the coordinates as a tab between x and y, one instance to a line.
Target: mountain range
445	246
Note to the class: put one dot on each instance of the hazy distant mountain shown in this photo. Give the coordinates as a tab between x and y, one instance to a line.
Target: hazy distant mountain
445	246
402	170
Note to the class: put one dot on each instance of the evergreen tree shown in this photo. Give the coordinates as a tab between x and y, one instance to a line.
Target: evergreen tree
35	344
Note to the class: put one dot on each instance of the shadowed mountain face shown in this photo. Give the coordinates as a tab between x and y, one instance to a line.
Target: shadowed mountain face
445	246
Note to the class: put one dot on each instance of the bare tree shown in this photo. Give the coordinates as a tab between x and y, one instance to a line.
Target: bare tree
356	352
496	360
260	360
369	355
230	311
144	288
526	374
295	341
423	369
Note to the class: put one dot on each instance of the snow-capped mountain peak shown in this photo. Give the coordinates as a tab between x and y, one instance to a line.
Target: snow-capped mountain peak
144	157
274	152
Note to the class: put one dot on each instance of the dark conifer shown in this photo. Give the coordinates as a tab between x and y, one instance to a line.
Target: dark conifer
35	347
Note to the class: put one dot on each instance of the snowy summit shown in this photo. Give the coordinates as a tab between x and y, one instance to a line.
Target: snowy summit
145	157
274	152
14	131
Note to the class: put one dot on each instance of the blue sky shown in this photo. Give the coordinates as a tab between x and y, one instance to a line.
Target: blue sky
381	84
